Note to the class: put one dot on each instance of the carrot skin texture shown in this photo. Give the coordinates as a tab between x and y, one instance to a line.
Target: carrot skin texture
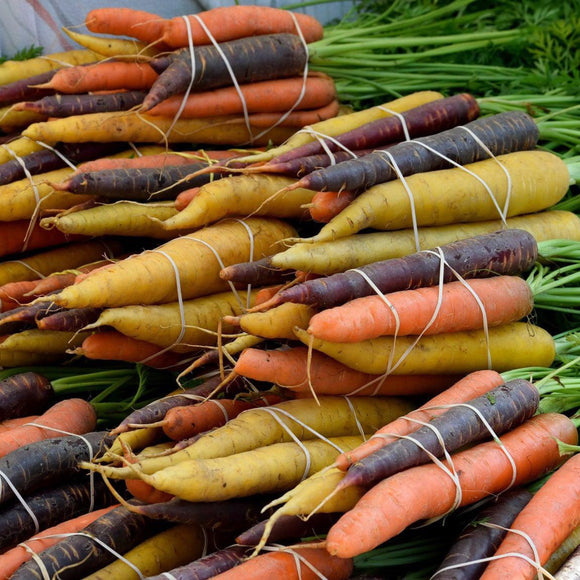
51	506
257	273
503	252
69	319
501	133
78	555
252	59
480	541
44	463
556	503
469	387
504	408
24	89
283	564
24	394
371	317
427	119
482	470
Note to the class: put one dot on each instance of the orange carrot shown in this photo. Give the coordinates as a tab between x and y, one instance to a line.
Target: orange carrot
237	21
471	386
14	558
427	491
459	305
261	97
107	75
547	520
8	424
293	370
113	345
119	21
327	204
289	563
184	198
72	415
185	421
297	119
13	294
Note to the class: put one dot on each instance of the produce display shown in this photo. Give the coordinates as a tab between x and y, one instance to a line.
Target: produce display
285	298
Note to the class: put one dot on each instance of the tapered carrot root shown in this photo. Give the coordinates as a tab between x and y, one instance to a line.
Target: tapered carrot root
433	312
547	520
501	348
296	371
469	387
325	205
144	26
400	500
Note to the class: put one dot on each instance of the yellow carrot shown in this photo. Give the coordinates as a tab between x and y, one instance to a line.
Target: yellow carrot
49	342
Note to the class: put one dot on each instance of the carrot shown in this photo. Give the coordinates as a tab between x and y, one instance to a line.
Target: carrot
241	195
440	353
400	500
546	532
295	370
427	119
73	319
37	465
298	562
251	59
133	126
504	408
49	342
24	394
64	105
13	294
12	70
113	345
502	133
18	146
121	21
433	311
473	385
257	273
479	540
190	255
537	180
74	415
363	248
8	424
102	76
23	358
79	555
237	21
183	422
327	204
270	96
121	218
25	89
169	548
11	560
501	252
240	434
343	123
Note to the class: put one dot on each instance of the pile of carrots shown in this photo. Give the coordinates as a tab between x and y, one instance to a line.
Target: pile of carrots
353	309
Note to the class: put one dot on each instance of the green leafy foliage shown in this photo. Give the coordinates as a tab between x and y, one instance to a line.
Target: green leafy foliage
24	54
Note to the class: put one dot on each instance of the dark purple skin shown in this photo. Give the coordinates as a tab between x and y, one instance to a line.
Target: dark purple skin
67	105
257	273
501	134
478	541
510	251
24	90
72	319
24	394
253	59
427	119
504	408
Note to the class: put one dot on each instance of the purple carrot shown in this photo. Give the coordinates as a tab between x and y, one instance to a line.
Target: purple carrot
252	59
509	251
24	317
427	119
478	540
500	134
68	319
257	273
24	89
504	408
68	105
24	394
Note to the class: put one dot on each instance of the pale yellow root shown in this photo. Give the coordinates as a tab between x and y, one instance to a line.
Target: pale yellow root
49	342
13	120
20	146
510	346
359	249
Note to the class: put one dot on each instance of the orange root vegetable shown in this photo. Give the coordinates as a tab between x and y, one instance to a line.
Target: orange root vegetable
72	415
403	499
102	76
237	21
451	307
273	96
184	198
547	520
121	21
327	204
297	119
294	370
13	294
469	387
